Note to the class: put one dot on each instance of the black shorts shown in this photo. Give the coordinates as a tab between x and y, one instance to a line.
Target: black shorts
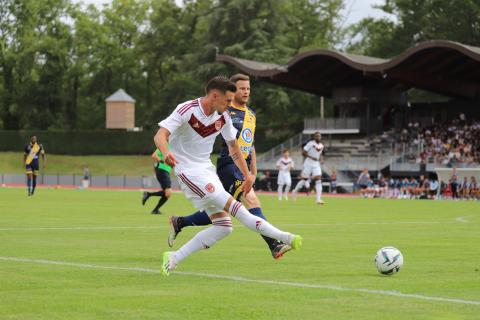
231	178
33	167
163	177
363	186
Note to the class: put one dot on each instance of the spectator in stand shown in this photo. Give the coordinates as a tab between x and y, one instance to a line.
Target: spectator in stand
449	144
333	182
420	188
454	184
404	188
382	188
362	180
465	188
370	190
434	189
86	178
391	188
412	185
473	187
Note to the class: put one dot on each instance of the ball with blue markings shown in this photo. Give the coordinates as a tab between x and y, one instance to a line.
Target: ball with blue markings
388	260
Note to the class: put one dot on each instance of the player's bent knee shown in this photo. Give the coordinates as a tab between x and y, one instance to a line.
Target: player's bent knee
224	225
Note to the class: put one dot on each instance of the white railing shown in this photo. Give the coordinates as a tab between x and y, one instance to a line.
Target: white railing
275	153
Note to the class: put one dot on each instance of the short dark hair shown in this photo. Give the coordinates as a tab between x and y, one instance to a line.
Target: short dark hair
220	83
239	77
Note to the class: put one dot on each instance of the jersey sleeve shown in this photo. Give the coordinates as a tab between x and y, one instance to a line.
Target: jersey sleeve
308	146
173	121
42	149
228	131
279	161
26	149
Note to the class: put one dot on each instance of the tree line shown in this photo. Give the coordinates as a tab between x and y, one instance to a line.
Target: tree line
60	59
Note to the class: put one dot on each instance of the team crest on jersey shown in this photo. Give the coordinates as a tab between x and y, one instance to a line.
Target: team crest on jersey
210	187
218	125
247	135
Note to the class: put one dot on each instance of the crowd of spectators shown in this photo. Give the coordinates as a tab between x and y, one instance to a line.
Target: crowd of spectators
451	144
421	188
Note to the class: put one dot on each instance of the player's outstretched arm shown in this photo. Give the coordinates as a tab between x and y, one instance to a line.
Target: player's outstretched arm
161	142
236	154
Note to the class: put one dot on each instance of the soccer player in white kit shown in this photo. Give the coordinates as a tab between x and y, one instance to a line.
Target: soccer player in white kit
191	131
311	167
284	165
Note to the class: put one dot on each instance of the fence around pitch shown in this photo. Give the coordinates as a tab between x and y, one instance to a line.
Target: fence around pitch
127	182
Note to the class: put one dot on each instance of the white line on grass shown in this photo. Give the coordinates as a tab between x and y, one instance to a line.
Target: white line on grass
165	227
80	228
243	279
462	219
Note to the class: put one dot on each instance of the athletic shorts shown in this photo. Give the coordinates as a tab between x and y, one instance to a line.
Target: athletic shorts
32	167
311	171
163	177
204	189
232	179
284	178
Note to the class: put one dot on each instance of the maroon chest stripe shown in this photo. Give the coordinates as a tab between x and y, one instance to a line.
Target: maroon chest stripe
204	130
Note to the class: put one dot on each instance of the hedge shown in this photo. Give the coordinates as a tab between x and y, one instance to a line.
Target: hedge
81	142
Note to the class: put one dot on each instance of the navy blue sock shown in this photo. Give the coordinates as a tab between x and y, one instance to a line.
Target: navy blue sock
34	183
199	218
29	184
258	212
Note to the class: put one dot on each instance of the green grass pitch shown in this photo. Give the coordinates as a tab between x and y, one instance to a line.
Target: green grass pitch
72	254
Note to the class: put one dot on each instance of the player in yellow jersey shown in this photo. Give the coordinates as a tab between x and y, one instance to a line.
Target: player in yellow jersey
31	161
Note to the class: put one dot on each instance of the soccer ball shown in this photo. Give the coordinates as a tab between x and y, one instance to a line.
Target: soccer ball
388	260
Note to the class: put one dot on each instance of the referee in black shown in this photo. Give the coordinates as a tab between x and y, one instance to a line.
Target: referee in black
162	172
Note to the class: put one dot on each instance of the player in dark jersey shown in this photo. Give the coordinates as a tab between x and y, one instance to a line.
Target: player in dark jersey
162	172
244	120
31	160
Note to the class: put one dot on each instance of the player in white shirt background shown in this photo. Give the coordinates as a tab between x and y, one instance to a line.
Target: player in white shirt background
312	152
191	131
284	165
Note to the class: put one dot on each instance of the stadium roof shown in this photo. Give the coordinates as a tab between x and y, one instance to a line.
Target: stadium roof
444	67
120	96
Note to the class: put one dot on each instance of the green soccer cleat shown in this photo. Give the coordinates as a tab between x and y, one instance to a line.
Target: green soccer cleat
166	268
296	242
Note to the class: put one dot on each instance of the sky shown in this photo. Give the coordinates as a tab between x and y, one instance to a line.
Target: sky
355	10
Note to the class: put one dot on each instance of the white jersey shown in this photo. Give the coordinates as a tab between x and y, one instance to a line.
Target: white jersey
192	134
313	150
284	165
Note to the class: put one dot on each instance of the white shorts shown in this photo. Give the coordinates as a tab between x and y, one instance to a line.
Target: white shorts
284	178
204	189
311	171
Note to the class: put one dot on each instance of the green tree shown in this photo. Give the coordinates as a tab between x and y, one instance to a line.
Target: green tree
416	21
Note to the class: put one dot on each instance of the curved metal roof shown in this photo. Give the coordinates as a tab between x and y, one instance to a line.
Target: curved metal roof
445	67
